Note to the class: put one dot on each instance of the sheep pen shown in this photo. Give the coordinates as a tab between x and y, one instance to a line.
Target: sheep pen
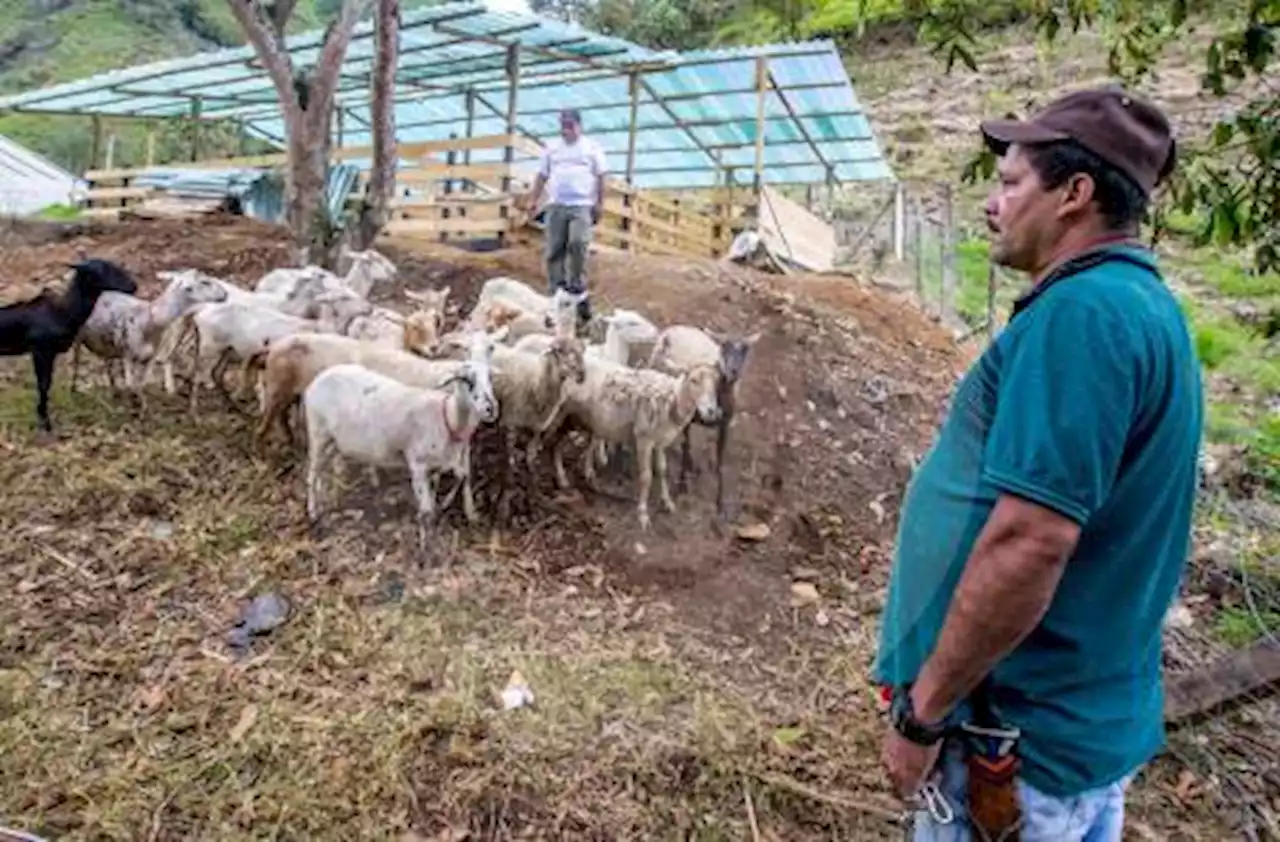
696	681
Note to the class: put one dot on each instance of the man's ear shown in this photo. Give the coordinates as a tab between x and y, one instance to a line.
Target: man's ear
1078	193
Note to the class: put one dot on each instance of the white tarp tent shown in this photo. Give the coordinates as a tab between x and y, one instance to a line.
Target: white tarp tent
30	182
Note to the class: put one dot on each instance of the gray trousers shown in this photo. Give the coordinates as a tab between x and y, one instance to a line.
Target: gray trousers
568	234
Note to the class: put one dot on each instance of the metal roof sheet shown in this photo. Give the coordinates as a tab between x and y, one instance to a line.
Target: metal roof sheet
694	107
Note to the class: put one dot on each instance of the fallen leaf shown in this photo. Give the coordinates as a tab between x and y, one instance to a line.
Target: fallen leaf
804	574
248	716
1185	788
753	532
877	509
803	593
822	619
152	697
788	736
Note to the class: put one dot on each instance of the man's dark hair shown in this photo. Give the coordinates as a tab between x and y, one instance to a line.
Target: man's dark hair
1121	202
572	114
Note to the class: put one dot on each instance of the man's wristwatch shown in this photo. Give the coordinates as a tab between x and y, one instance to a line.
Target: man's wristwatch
903	717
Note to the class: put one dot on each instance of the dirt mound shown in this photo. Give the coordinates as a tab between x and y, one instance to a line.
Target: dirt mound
840	397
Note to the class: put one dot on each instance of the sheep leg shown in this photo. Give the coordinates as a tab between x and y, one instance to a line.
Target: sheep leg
111	375
508	473
660	465
317	458
42	359
686	460
425	494
75	365
248	379
469	496
644	480
374	480
722	443
589	465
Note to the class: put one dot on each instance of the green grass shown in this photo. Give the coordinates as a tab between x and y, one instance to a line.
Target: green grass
58	213
1239	627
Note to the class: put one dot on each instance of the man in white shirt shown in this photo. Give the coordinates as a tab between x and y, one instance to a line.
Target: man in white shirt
572	170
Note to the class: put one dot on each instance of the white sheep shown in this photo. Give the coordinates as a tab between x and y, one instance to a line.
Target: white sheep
624	330
641	406
418	332
529	385
516	305
376	420
245	331
293	362
366	271
298	299
681	348
125	328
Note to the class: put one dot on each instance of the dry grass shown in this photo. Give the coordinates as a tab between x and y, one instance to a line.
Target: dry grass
374	710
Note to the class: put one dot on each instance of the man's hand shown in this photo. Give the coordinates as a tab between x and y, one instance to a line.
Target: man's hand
597	211
908	764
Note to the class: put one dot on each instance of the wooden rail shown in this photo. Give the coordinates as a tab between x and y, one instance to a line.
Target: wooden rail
444	196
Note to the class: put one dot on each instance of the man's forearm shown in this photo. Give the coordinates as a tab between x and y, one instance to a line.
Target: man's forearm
1006	588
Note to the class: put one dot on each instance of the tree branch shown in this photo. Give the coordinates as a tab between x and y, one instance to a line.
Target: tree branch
324	78
281	11
382	177
271	52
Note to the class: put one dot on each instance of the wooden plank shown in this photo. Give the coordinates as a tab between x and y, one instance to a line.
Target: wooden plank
762	83
794	233
456	172
641	243
1238	674
452	225
108	194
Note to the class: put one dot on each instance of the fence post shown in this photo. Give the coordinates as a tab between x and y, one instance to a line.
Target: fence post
899	221
919	234
948	255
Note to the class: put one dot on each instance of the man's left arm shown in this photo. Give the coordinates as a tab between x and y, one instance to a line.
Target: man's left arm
1067	398
602	171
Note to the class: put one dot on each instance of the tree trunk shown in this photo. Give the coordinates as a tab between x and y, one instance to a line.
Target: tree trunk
376	210
306	116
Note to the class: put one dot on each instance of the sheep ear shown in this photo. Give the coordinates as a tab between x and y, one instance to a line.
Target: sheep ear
753	338
500	335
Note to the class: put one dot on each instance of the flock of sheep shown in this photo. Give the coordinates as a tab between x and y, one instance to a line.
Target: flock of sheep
385	390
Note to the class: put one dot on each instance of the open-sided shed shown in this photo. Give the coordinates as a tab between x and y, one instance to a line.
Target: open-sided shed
483	88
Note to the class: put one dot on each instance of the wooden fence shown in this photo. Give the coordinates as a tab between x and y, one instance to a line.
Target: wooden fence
443	195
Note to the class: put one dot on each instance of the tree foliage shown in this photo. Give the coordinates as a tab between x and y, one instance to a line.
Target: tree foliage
1229	181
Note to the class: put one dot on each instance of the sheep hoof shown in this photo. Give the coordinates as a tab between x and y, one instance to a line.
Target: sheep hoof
644	521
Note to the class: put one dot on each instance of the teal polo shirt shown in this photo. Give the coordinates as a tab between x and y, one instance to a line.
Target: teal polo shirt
1088	403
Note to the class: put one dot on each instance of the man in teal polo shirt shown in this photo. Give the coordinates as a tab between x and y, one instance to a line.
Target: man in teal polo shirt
1043	537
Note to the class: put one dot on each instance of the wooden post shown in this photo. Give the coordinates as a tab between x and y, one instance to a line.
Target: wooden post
95	149
339	126
513	102
151	144
633	92
899	221
762	85
919	237
471	124
197	107
948	255
450	158
111	152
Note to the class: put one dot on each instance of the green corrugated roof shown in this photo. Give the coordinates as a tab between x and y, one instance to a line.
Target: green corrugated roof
694	107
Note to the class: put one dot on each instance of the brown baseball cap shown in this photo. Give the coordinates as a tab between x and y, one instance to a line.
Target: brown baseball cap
1132	135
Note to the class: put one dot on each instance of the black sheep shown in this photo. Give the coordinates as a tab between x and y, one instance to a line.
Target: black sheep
47	325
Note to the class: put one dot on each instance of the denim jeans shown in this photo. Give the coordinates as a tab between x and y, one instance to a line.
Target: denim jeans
1096	815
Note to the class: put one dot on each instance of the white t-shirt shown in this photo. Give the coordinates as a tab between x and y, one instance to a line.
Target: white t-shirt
571	170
